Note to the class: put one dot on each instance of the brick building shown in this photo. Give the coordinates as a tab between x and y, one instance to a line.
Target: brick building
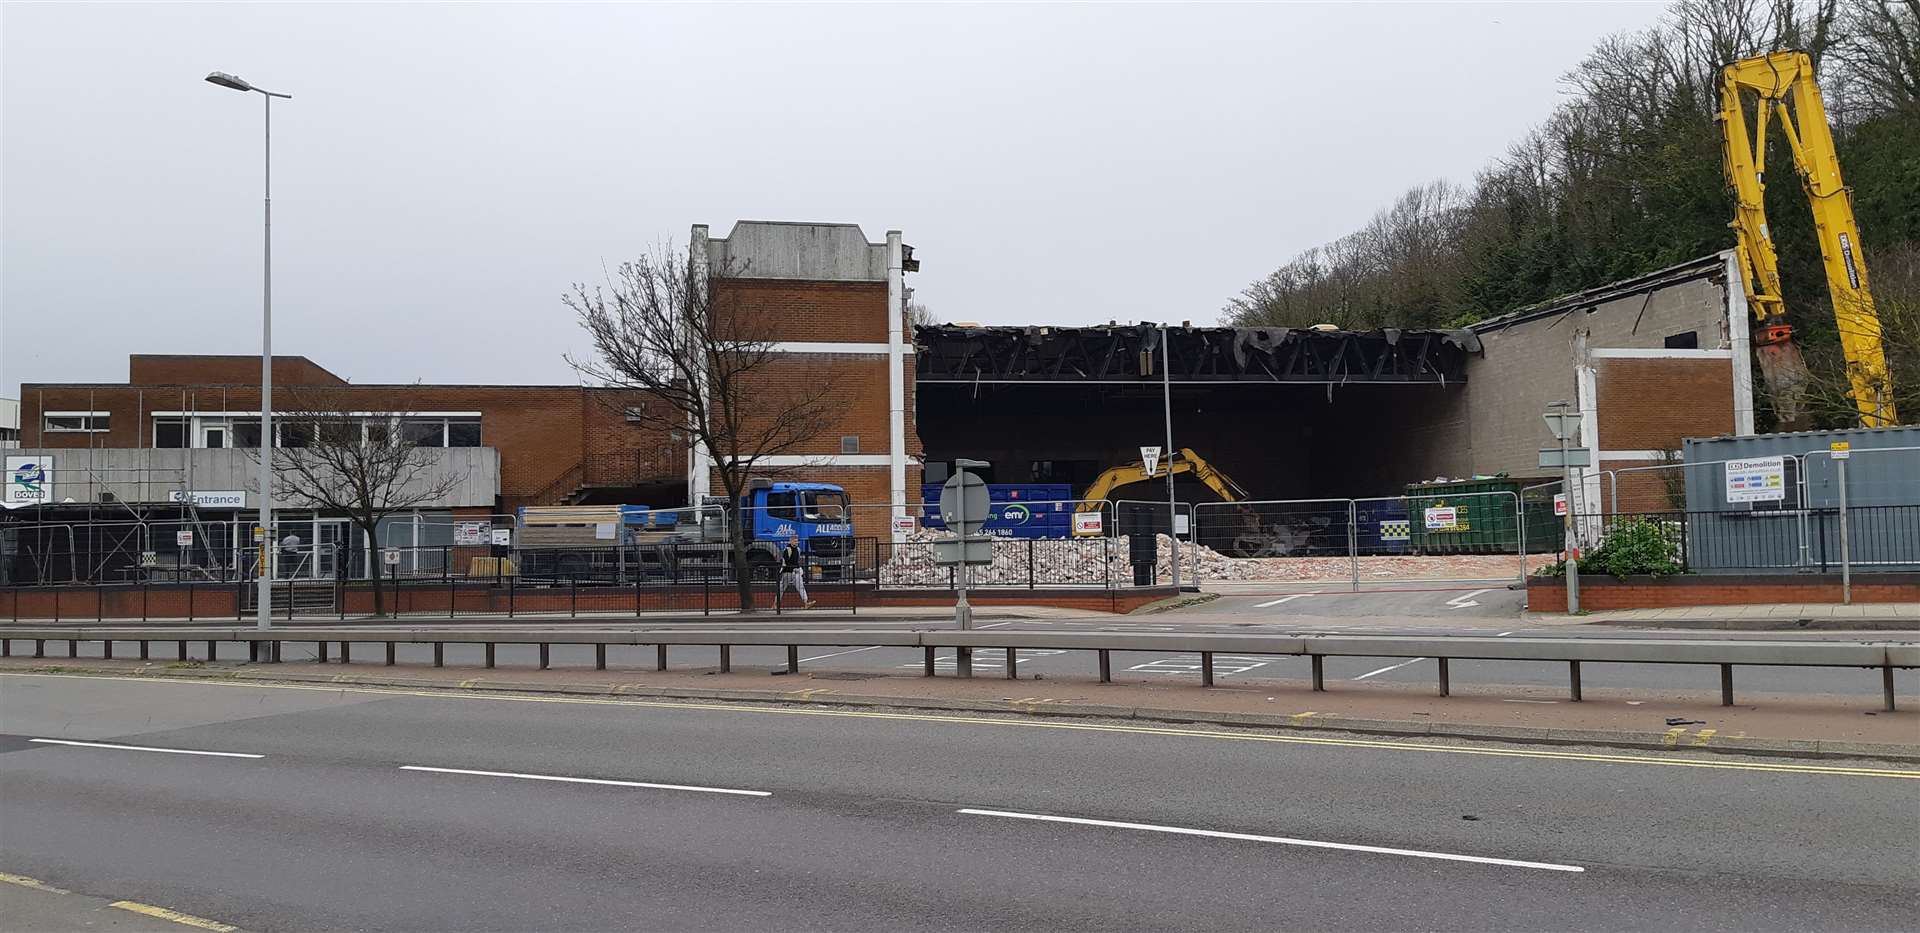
837	304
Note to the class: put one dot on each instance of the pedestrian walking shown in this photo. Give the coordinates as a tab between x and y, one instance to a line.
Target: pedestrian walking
793	571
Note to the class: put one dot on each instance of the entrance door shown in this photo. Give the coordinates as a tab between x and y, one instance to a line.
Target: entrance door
330	540
213	434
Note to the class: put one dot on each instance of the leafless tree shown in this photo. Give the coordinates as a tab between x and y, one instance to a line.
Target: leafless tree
706	362
335	458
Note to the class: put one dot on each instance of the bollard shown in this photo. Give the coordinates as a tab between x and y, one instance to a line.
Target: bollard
439	654
1446	688
659	656
1206	668
599	657
489	654
1106	667
1573	680
389	654
544	658
793	659
929	664
1726	685
726	659
1319	674
1013	662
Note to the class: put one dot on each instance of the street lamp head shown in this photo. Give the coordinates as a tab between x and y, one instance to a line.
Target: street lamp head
229	81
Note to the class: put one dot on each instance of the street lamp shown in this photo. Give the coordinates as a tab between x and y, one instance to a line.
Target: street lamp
1173	504
267	555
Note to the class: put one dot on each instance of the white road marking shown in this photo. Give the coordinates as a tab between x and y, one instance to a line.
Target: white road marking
1390	667
994	624
1280	840
575	780
1284	599
837	654
1223	664
1503	634
1462	602
143	748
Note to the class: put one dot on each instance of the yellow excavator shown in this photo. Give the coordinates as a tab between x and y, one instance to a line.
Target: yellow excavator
1772	82
1183	460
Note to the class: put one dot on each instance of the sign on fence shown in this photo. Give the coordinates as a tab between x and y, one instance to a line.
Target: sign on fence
183	539
472	533
1443	518
1762	479
903	524
1560	504
1088	523
1396	529
503	537
390	557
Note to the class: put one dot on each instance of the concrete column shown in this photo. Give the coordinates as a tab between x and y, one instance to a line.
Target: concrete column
699	460
896	382
1740	340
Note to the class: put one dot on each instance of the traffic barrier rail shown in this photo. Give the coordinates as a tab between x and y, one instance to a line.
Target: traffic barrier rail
1726	654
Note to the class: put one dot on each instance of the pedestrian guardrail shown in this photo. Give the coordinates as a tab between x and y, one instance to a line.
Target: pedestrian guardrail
264	645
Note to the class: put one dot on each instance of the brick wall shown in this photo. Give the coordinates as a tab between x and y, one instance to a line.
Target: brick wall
1652	404
840	312
1605	593
207	369
547	436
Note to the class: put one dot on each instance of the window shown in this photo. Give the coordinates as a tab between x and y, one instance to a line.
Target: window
849	443
1689	340
424	433
782	505
826	507
294	434
245	433
463	432
170	434
89	422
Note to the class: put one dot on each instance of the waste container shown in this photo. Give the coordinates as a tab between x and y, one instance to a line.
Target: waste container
1482	515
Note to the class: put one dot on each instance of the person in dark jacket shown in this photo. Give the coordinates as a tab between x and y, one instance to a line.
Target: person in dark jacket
793	572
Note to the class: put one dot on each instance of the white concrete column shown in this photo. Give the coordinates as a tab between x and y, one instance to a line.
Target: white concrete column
1740	340
699	459
896	382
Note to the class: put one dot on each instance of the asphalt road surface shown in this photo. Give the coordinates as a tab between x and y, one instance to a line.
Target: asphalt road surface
295	808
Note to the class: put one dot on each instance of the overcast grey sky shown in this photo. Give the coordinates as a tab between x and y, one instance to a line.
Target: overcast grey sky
445	170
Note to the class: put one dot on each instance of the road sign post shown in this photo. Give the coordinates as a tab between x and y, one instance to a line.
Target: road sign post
964	507
1565	424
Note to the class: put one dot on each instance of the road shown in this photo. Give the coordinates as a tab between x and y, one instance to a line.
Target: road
329	808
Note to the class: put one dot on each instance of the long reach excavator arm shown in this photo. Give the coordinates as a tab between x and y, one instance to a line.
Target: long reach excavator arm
1773	81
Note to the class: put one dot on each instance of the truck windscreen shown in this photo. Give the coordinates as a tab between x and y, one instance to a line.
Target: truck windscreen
825	507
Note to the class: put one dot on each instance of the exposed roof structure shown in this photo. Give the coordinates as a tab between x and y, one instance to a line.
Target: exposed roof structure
1132	353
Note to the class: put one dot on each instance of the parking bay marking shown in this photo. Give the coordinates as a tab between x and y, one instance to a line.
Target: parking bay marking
1279	840
1284	599
602	781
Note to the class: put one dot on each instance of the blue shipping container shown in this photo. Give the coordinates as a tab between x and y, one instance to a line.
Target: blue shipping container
1018	510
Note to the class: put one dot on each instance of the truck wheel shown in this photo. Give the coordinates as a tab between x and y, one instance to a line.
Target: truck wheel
762	568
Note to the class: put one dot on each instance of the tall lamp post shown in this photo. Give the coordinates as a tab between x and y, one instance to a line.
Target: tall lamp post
264	604
1173	503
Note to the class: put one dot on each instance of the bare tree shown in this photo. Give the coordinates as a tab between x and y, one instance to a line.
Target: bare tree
708	366
332	457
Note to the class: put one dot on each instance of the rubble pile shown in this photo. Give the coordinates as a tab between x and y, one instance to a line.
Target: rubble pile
1077	561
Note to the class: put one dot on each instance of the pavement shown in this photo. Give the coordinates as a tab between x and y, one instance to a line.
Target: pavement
283	807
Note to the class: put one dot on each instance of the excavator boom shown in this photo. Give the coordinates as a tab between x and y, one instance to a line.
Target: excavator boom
1183	461
1773	81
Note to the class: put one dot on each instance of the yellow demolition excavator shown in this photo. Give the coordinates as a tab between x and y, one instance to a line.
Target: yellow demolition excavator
1782	84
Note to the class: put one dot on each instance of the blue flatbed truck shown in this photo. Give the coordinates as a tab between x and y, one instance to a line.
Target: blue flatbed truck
622	542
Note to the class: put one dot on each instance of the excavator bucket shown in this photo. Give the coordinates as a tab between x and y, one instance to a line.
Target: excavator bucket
1784	370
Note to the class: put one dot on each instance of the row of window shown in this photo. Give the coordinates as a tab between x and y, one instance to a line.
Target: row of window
245	432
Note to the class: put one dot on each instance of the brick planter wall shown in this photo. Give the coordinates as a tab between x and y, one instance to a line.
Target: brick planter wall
1605	592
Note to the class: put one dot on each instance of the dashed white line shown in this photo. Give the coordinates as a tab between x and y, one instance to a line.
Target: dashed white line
144	748
836	654
1284	599
1280	840
1390	667
578	780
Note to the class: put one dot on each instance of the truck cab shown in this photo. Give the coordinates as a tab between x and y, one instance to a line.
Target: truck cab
818	513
